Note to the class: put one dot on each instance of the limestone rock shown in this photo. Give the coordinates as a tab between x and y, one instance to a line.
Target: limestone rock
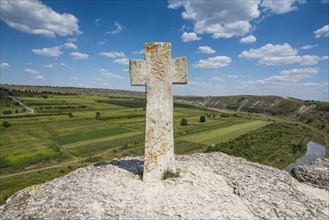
210	186
315	173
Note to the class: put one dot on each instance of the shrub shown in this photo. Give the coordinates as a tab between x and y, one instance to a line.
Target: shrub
170	174
184	122
202	118
7	112
70	114
6	124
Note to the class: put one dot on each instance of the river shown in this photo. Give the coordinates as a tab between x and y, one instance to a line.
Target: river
314	151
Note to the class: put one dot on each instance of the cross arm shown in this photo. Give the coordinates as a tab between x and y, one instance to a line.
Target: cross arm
137	72
179	70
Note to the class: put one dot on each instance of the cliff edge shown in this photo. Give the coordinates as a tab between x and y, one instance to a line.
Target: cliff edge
210	186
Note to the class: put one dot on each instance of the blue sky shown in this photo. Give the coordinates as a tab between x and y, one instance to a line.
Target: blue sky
257	47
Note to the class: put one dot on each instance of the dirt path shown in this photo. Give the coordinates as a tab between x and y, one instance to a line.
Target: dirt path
28	109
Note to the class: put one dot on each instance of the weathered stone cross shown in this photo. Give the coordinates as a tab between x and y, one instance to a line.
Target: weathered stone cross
158	72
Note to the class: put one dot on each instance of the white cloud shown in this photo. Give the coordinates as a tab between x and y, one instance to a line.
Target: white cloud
324	1
206	49
123	61
307	47
31	71
79	56
70	45
225	19
97	22
300	71
269	50
248	40
186	37
3	65
281	6
277	55
36	18
213	62
106	73
48	65
49	52
118	28
221	19
39	77
75	78
286	77
322	32
139	52
112	54
216	78
232	76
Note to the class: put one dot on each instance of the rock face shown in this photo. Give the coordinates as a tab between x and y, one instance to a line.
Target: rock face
210	186
315	173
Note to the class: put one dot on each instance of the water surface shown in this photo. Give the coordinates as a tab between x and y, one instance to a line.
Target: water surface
314	151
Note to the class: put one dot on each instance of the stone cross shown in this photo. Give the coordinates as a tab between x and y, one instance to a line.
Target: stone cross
158	72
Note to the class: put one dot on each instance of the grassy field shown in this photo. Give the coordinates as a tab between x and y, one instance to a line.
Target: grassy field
71	131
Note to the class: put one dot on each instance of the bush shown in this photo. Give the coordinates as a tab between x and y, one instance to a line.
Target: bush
7	112
70	114
98	115
202	118
6	124
170	174
183	122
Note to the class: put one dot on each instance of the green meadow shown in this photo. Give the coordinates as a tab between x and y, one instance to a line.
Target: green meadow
66	132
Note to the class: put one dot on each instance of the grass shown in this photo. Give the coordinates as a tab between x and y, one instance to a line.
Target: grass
76	137
47	143
215	136
169	174
276	144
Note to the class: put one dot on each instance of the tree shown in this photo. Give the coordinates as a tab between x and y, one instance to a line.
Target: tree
70	114
183	122
6	124
98	115
202	118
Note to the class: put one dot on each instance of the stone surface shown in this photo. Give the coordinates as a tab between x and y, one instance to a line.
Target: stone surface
158	72
210	186
315	173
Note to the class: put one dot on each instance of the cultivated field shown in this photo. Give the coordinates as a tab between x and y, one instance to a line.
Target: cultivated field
69	131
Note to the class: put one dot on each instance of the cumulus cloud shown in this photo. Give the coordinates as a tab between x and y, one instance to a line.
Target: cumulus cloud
79	56
31	71
106	73
281	6
118	28
248	40
218	79
49	52
213	62
186	37
34	17
141	51
307	47
48	65
70	45
225	19
3	65
206	49
123	61
112	54
300	71
322	32
39	77
277	55
286	77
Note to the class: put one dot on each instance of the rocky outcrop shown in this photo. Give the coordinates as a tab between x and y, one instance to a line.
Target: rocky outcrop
315	173
210	186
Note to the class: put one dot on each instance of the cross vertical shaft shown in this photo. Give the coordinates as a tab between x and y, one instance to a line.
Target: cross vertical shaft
158	72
